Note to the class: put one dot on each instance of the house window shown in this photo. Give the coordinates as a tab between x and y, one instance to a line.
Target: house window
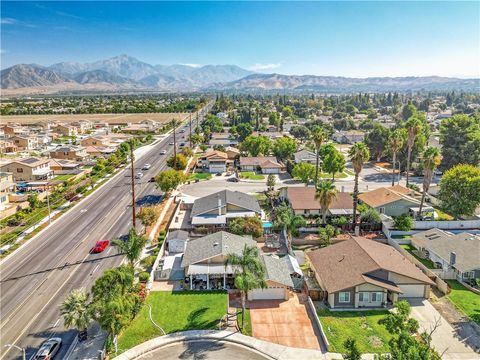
377	296
344	297
469	275
19	170
363	296
382	210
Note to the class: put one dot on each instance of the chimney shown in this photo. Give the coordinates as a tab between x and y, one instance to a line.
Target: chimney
453	258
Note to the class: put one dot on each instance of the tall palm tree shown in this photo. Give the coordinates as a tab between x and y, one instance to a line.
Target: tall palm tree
286	219
249	273
75	310
174	123
431	160
132	247
396	141
359	154
414	126
325	193
318	137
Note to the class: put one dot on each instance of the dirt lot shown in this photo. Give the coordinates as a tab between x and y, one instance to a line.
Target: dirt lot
110	118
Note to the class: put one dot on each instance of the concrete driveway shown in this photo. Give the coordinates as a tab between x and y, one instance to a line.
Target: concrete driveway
284	322
445	339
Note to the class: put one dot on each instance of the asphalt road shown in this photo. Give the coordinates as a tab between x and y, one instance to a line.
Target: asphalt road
37	277
204	350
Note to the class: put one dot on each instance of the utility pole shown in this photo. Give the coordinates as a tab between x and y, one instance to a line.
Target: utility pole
174	126
197	118
18	348
191	131
48	206
133	183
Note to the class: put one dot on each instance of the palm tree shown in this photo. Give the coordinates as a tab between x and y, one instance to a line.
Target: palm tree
431	159
75	311
132	248
318	137
249	273
286	219
414	126
174	123
325	193
359	154
396	141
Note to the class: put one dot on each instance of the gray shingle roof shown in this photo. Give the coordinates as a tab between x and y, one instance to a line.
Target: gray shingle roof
219	243
277	270
178	234
210	202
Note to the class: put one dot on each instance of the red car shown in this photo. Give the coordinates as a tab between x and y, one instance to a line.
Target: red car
100	246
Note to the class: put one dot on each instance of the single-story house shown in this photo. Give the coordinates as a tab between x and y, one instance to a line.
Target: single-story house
216	209
204	265
60	166
302	201
457	252
305	156
216	161
392	201
177	241
348	137
266	164
232	152
363	273
223	139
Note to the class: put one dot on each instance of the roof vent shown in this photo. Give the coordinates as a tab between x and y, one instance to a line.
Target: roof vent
343	258
216	243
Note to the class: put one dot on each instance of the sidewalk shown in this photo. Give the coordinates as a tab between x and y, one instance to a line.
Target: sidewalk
89	348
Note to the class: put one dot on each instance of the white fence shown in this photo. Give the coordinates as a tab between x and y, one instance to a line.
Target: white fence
317	322
447	225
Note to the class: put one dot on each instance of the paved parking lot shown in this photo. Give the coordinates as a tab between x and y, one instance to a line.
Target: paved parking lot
284	322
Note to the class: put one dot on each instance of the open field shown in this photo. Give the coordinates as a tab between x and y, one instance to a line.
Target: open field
114	119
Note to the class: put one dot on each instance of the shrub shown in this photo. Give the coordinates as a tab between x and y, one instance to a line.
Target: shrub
403	222
179	164
143	276
371	216
246	226
148	261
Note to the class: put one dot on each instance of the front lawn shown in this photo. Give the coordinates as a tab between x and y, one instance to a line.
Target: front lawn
427	262
250	175
329	176
247	323
173	312
64	177
200	176
362	326
465	300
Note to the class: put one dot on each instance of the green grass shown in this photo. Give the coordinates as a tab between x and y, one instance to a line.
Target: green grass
247	325
427	262
173	312
401	236
261	197
465	300
251	175
329	176
200	176
362	326
63	177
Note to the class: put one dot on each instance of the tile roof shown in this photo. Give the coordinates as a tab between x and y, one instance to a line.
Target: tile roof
303	197
387	195
224	197
346	264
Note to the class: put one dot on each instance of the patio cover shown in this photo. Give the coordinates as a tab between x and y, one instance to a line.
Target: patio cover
211	269
341	211
236	214
209	220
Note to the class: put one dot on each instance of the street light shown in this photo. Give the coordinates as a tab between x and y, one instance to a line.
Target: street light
19	348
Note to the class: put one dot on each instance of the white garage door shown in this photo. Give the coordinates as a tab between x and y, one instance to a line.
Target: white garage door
414	291
267	294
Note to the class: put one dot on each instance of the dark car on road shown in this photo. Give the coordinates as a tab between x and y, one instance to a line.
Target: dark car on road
100	246
233	179
48	349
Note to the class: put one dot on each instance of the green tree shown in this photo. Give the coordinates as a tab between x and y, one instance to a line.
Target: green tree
244	130
256	145
284	148
377	140
271	181
326	234
33	201
359	155
196	139
395	141
414	127
403	222
325	193
75	310
430	159
305	172
177	162
286	220
249	273
168	180
274	119
246	226
370	217
333	163
408	111
147	216
187	152
213	123
352	351
460	190
132	247
460	140
300	132
319	136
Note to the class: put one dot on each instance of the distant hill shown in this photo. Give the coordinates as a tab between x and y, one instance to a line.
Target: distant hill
128	73
344	84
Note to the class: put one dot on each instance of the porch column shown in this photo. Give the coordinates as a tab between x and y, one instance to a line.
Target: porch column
224	280
191	282
357	297
208	282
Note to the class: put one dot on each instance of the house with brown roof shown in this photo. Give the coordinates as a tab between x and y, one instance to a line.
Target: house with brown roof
392	201
363	273
70	153
216	161
95	141
265	164
302	201
27	142
28	169
66	130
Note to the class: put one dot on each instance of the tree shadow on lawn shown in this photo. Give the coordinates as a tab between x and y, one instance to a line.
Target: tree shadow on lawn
197	320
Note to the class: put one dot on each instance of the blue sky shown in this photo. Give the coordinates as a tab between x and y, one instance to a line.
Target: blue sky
323	38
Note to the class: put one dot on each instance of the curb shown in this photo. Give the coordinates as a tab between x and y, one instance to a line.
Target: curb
72	347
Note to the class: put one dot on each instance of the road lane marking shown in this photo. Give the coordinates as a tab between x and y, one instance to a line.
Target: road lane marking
96	268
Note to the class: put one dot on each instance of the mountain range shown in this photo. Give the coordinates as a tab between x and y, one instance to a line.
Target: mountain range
124	72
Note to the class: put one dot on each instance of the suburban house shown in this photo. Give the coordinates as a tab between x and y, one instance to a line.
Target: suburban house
348	137
232	152
177	241
27	142
363	273
60	166
83	125
99	151
392	201
204	264
302	201
223	139
216	209
459	253
265	164
7	186
216	161
95	141
305	156
28	169
70	153
7	146
14	130
66	130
